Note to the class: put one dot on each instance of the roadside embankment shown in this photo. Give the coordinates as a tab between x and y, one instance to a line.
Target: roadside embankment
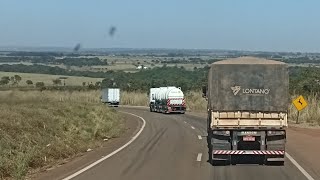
40	129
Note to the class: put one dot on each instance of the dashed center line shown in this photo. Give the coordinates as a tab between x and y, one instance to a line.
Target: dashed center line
192	127
185	122
199	156
200	137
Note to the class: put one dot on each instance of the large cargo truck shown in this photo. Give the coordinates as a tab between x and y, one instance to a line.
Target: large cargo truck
167	100
110	96
247	110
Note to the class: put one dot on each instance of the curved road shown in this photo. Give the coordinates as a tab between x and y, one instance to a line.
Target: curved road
173	147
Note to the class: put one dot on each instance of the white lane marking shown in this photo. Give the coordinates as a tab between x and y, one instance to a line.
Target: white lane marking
304	172
128	106
199	156
192	127
185	122
111	154
199	137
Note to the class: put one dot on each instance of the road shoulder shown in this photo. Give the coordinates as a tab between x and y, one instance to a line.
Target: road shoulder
132	125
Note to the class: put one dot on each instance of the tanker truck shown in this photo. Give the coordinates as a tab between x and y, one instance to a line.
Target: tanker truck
247	104
167	100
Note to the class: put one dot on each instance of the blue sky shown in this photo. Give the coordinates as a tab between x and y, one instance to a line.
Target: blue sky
268	25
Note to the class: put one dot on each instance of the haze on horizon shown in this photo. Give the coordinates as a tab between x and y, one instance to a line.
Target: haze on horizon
271	25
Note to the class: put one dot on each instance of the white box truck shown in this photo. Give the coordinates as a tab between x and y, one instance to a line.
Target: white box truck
111	96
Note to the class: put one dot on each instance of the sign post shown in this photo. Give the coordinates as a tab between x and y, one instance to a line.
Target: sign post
300	104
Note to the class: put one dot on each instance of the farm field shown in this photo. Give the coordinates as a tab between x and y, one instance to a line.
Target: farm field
47	79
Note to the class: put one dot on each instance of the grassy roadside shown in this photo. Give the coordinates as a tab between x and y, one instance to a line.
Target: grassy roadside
310	116
39	129
134	99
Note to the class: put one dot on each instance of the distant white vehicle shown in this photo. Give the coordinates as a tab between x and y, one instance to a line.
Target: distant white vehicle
141	67
111	96
167	100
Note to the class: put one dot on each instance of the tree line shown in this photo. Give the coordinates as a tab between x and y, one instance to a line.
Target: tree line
303	80
68	61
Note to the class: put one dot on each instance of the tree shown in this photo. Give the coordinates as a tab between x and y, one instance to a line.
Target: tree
64	80
29	82
4	81
5	78
56	82
17	78
12	79
98	84
91	86
39	84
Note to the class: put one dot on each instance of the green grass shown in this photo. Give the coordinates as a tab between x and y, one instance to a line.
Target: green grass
41	129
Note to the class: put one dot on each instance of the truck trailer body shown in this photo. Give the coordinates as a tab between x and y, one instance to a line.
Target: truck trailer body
247	110
111	96
167	100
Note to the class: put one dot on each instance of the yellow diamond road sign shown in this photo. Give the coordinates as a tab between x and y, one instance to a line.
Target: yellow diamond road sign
300	103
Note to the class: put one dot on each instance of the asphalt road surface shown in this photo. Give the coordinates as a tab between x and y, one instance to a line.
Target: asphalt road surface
173	147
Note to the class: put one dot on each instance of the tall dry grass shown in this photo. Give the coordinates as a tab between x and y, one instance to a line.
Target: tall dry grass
134	99
195	102
38	129
310	115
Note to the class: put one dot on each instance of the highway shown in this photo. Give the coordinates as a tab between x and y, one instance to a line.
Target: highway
173	147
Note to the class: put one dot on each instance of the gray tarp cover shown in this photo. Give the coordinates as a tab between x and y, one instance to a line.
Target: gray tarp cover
248	84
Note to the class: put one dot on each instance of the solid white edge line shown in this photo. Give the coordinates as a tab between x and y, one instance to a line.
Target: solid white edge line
304	172
192	127
199	137
199	156
111	154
